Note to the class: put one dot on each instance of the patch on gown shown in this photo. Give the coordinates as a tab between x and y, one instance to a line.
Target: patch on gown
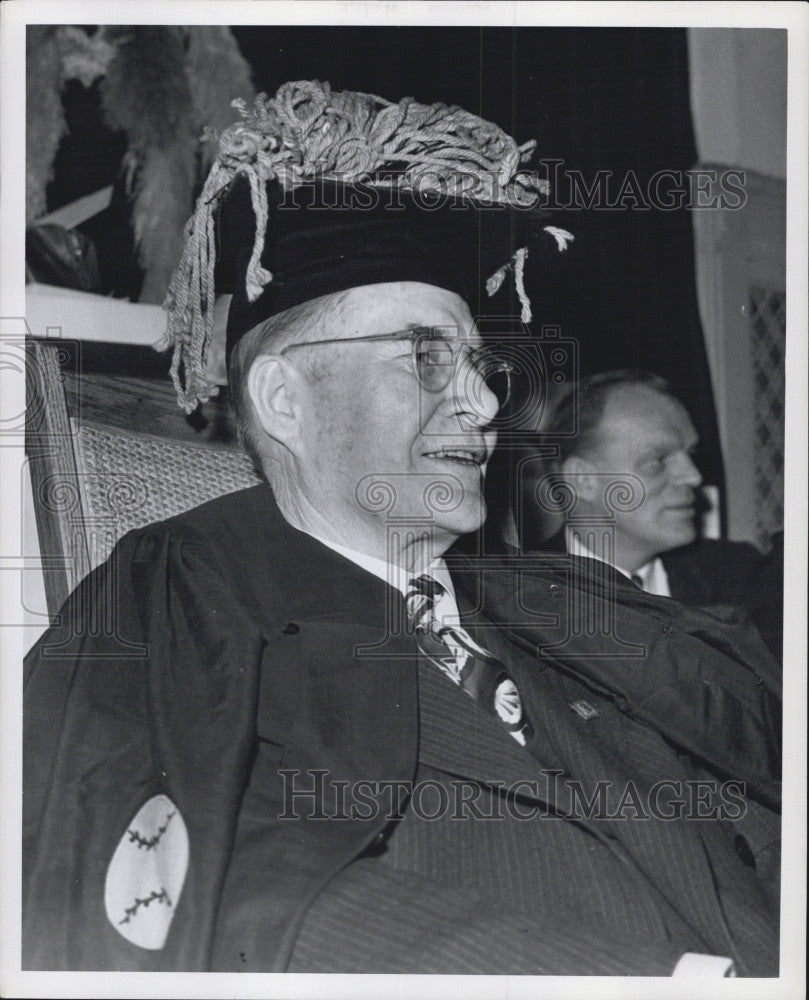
146	874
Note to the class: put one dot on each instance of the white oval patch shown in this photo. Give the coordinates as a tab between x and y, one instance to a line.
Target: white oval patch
146	874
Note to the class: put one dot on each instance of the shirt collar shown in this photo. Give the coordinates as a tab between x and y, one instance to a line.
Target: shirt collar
654	577
576	547
395	576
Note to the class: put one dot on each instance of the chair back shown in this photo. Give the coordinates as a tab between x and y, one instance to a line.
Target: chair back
110	451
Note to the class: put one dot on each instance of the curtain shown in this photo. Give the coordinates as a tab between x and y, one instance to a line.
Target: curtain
596	99
608	106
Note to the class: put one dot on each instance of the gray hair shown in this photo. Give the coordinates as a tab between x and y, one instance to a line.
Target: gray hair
302	322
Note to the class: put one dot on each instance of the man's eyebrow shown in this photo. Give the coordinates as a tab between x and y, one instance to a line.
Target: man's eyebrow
667	445
659	445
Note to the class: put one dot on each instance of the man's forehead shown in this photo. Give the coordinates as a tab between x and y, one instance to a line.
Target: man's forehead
394	306
635	411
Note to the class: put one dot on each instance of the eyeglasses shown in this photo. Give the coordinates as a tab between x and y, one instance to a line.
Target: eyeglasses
435	358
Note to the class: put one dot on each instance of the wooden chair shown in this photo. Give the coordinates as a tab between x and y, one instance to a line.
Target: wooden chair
109	450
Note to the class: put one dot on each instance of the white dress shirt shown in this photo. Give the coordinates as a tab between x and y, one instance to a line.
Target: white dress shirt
653	576
446	607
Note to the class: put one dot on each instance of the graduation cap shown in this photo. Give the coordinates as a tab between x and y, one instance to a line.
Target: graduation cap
315	192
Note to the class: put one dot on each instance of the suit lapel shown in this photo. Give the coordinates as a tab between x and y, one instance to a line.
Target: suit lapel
607	746
459	736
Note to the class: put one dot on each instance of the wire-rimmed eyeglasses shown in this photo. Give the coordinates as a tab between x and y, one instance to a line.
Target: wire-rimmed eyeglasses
435	357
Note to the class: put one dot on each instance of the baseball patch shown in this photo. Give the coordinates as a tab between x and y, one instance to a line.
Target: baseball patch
146	874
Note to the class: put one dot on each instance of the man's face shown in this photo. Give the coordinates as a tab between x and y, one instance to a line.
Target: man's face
652	437
378	446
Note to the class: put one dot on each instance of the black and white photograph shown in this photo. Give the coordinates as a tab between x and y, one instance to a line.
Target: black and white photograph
404	438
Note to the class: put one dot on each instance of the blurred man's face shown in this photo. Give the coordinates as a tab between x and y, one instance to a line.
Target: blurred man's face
652	437
378	446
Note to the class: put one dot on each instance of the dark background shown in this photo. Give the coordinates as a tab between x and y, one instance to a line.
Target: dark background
611	99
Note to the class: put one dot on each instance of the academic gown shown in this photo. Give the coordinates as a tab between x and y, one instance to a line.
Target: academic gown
225	629
713	571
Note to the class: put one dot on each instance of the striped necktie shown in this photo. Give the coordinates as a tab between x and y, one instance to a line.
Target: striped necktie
470	666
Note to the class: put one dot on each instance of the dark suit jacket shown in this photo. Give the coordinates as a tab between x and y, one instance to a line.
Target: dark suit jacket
711	571
234	643
708	571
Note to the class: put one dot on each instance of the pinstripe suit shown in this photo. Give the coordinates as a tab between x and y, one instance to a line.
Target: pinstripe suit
550	886
214	713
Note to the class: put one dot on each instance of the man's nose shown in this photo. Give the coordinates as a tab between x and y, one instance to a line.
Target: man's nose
688	473
474	400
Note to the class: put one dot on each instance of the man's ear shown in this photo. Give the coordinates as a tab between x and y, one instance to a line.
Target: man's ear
581	475
270	386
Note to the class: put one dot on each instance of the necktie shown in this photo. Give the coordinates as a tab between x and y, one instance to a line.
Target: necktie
637	579
455	652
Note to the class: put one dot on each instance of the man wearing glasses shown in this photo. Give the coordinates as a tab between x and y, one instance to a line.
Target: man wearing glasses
437	436
345	750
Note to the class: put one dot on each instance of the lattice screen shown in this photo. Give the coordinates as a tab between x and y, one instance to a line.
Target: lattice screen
768	342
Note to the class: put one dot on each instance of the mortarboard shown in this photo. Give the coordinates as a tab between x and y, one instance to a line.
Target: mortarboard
314	192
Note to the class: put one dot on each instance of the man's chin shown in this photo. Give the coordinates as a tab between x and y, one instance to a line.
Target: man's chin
685	535
463	521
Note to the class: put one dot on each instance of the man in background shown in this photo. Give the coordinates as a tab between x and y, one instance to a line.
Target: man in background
636	437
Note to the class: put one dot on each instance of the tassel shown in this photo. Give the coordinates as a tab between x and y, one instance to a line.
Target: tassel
307	131
257	276
562	236
519	276
495	282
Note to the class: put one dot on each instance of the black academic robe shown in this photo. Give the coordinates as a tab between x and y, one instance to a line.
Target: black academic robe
224	627
714	571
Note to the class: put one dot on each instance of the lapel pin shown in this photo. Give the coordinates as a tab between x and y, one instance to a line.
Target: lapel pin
584	709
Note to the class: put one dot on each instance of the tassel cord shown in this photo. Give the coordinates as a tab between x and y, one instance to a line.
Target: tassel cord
307	131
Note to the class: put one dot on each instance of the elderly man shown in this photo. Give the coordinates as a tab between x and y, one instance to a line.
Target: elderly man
339	747
633	430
